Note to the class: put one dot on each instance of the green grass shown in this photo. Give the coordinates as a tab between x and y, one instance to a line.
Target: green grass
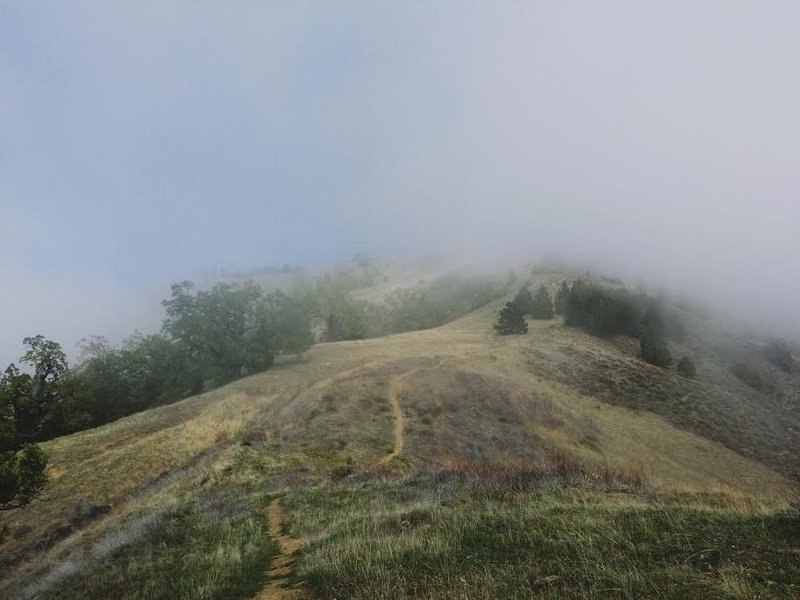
439	534
193	553
309	427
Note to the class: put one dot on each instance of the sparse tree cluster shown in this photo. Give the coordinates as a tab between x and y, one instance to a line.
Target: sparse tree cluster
602	311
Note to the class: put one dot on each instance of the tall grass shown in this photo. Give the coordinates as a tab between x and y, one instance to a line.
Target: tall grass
479	532
193	554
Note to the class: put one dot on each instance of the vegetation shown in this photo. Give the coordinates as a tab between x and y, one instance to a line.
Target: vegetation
181	488
686	368
186	553
602	311
524	300
542	304
748	374
483	531
208	338
560	303
437	302
32	405
511	320
777	352
652	341
22	476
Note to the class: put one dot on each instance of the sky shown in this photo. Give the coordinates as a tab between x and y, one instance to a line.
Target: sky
147	142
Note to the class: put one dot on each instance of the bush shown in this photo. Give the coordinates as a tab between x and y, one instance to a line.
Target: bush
748	374
778	353
686	368
22	476
511	320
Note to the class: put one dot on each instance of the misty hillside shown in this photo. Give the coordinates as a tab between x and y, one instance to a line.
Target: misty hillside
368	451
399	300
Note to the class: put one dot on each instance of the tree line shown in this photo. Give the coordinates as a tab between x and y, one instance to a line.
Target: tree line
600	311
208	338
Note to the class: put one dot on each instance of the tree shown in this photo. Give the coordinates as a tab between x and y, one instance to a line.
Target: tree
288	317
224	331
561	298
686	368
22	476
524	300
542	304
601	311
345	322
38	404
653	344
21	419
511	320
26	401
49	364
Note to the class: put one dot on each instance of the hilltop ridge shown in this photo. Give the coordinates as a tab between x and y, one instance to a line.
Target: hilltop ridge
457	393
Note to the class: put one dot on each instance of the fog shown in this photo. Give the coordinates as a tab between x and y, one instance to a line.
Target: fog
145	142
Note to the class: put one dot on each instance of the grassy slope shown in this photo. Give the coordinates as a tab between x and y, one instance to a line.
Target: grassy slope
466	395
442	535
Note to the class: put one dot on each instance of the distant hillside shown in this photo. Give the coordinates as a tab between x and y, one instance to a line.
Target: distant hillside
196	475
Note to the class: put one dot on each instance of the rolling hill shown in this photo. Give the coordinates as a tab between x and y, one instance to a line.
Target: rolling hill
443	463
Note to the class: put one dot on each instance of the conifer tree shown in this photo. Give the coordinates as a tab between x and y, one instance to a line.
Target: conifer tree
542	304
511	320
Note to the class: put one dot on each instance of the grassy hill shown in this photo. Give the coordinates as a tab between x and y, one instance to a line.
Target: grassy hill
441	463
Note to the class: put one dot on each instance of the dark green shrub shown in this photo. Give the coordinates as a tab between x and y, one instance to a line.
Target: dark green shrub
22	476
511	320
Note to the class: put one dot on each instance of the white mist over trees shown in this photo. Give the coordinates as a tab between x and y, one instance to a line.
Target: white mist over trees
653	142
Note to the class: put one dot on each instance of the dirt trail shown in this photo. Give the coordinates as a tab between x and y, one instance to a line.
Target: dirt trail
277	587
396	387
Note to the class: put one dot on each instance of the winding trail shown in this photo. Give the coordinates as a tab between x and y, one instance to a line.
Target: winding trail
277	587
396	387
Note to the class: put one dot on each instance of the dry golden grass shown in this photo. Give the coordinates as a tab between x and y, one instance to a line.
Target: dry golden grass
467	394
